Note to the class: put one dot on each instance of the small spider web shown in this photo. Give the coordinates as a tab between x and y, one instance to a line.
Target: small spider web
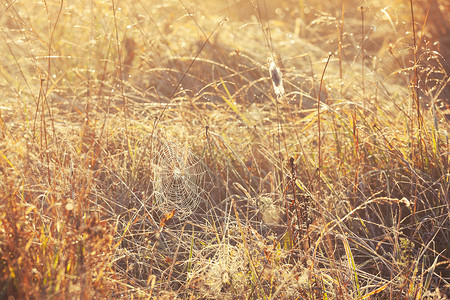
178	179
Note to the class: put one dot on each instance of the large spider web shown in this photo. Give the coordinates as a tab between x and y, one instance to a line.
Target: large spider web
178	179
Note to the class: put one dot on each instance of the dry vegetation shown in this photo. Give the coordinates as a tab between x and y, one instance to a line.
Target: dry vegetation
145	154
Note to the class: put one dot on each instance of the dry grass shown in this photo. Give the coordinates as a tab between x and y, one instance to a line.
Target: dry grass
336	188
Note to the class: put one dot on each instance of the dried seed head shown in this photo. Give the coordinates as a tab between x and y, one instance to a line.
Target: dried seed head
225	278
275	74
405	202
277	78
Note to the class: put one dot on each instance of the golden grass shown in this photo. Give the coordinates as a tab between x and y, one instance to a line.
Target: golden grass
336	189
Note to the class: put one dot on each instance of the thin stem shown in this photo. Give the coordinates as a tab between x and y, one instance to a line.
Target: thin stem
318	120
362	59
119	58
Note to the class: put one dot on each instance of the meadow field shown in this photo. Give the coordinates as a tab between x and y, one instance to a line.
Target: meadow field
233	149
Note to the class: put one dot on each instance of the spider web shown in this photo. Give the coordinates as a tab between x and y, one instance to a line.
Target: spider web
178	179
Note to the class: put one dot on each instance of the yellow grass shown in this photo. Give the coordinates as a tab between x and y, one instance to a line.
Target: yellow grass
338	189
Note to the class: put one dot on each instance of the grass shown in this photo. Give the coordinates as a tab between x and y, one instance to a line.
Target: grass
144	152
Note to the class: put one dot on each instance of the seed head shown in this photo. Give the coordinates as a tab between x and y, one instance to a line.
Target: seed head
277	78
